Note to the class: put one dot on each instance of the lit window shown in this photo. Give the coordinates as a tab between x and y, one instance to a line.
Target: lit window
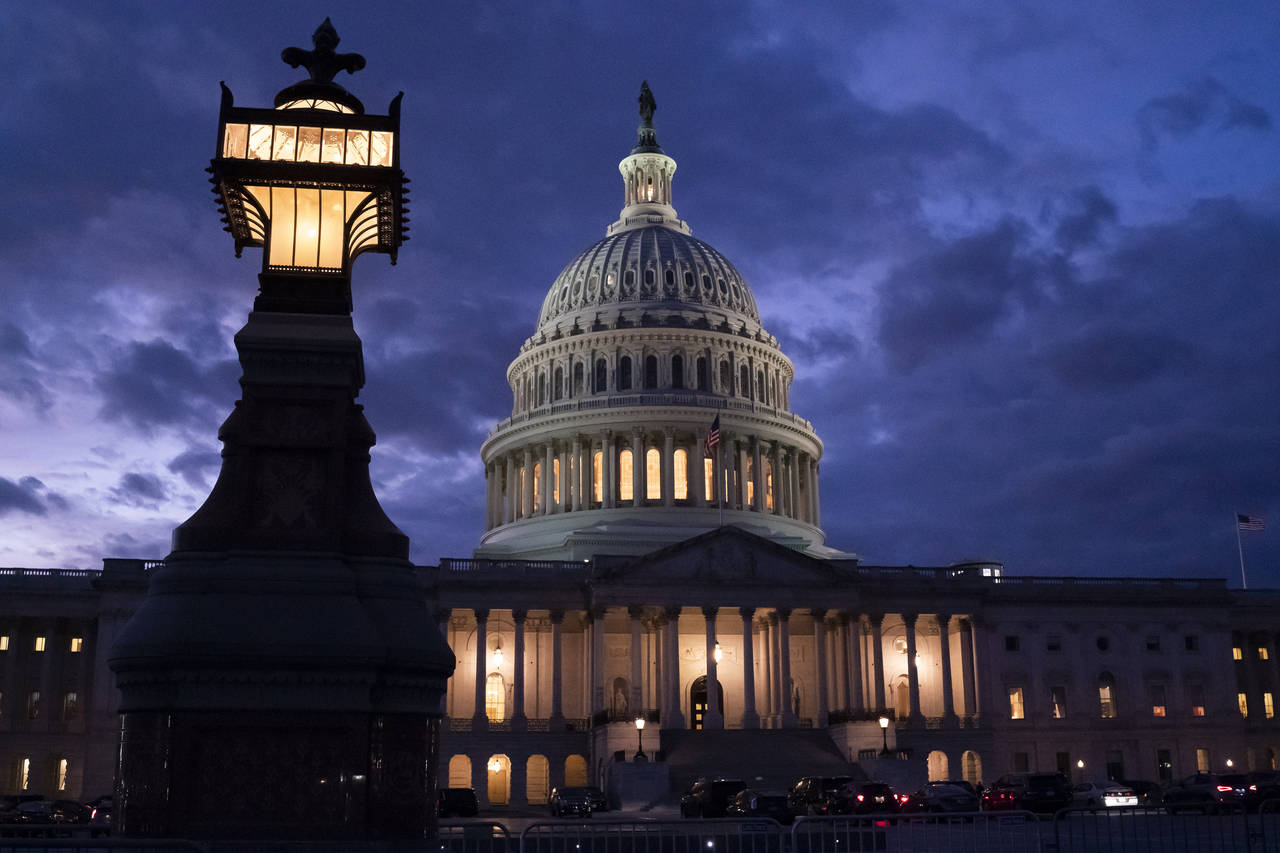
537	487
1263	654
39	644
625	474
709	478
1268	705
1016	710
1058	702
1202	760
4	642
1159	707
495	698
62	774
680	472
1243	701
597	477
555	481
1197	700
77	644
751	481
1107	696
24	774
768	485
653	474
1237	653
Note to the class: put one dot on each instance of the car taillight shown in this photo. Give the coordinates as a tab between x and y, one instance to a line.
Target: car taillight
93	814
1222	789
1253	787
902	798
861	797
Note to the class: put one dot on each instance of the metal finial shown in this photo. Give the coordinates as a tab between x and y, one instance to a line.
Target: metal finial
323	62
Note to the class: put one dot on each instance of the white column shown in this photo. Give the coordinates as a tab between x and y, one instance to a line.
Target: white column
675	717
518	720
479	721
548	479
840	653
669	467
750	719
757	476
597	659
638	472
566	481
857	693
510	498
775	456
714	718
820	645
609	469
944	649
877	657
527	496
557	671
637	662
784	675
913	672
968	684
576	487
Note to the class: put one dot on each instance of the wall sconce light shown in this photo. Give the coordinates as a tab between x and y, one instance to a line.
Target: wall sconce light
494	765
717	654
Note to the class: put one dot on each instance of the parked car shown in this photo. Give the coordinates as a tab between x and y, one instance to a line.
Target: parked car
457	802
599	802
1262	785
940	797
1148	793
571	801
819	795
1044	793
1203	792
1100	795
100	810
709	797
752	803
868	798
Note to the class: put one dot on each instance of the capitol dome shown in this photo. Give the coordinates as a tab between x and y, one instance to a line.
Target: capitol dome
648	342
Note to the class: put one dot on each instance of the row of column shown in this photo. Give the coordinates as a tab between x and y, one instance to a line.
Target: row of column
839	665
756	475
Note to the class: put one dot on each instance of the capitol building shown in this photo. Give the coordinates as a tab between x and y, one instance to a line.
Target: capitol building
653	598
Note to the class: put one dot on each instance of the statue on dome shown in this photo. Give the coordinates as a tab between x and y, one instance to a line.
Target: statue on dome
647	104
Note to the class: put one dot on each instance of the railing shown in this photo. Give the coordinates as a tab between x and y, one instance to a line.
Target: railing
21	574
464	725
697	399
467	564
861	715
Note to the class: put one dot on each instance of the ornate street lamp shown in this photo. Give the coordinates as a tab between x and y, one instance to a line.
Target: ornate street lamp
315	182
884	735
640	756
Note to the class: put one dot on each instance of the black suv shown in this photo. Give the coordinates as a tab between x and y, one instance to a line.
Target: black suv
709	797
819	795
457	801
1044	793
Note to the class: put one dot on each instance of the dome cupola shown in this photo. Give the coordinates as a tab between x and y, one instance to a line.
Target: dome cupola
645	340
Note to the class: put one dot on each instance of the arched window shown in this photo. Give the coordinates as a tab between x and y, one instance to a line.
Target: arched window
625	476
624	373
557	387
760	385
602	375
537	486
1107	696
677	371
459	772
745	382
555	480
537	776
577	379
653	474
542	389
703	380
726	378
495	698
575	771
651	372
648	277
680	474
938	766
768	485
520	494
709	478
751	481
597	477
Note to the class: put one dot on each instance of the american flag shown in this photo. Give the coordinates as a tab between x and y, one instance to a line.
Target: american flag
713	437
1249	522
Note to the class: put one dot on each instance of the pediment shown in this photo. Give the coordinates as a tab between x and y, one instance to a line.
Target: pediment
726	556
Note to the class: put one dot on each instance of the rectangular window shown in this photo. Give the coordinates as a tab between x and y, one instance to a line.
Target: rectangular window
1202	760
1243	702
597	477
680	474
1107	701
555	481
626	476
1012	643
4	642
62	774
1159	707
38	645
1237	653
33	705
1268	705
709	478
1058	702
653	475
1063	762
1115	764
1164	765
1191	642
24	774
1016	710
1021	762
1053	644
1263	654
1196	693
70	706
1153	643
77	645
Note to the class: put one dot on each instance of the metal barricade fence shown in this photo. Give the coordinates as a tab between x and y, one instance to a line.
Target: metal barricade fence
1269	825
721	835
84	838
1145	830
974	832
474	836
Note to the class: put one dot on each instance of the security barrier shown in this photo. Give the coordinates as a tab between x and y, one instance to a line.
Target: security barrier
980	832
1143	830
756	835
474	836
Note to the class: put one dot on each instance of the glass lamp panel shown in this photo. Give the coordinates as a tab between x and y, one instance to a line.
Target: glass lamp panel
680	468
235	141
286	142
333	145
380	148
364	220
282	219
260	141
357	148
308	145
333	222
625	475
306	252
653	475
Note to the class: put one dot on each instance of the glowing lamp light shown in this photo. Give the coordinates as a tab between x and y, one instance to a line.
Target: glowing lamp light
640	721
884	734
494	765
315	181
497	656
717	654
1080	763
1230	763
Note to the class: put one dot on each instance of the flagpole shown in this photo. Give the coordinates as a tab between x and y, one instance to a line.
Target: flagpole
724	476
1244	583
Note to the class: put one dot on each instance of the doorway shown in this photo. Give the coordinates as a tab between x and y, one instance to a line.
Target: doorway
698	701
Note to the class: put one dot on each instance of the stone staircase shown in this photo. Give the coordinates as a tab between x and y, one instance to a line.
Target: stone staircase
770	759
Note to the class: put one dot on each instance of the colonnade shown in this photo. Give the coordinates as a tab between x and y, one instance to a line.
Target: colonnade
848	671
642	467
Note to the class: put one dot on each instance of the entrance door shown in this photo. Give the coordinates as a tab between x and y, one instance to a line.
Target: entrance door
698	701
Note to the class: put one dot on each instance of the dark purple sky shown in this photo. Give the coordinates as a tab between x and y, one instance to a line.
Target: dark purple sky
1025	257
